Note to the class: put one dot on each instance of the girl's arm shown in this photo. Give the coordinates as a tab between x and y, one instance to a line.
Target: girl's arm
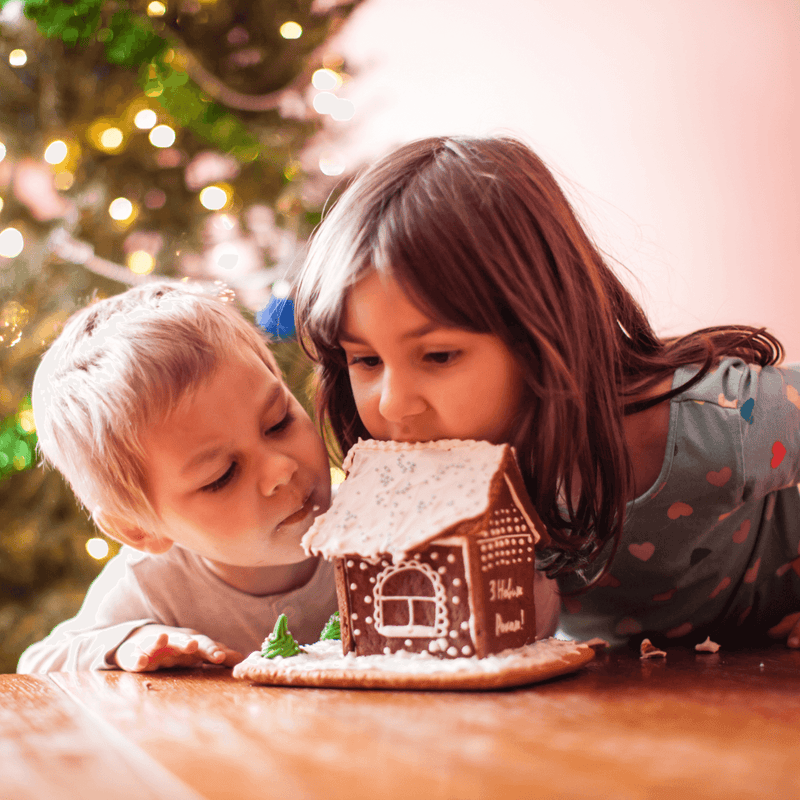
770	410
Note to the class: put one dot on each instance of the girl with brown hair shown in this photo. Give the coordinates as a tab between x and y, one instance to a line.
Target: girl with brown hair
451	292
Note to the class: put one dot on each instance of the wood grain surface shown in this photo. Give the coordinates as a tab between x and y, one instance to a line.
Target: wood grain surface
692	725
51	748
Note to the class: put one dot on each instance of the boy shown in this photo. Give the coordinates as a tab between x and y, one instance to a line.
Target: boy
165	411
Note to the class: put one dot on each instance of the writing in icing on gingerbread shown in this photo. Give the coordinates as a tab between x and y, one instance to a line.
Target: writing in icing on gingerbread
504	589
501	626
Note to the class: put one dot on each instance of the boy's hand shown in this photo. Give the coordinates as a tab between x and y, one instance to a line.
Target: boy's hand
789	627
154	647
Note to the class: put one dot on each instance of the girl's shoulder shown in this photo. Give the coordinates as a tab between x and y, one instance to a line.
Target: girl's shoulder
727	431
733	383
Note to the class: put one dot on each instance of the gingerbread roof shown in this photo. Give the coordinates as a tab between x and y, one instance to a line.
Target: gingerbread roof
399	496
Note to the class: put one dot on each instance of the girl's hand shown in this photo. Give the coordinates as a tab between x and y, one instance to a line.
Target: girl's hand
789	626
153	647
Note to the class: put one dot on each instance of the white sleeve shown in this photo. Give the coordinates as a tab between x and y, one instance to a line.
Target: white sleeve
547	604
113	608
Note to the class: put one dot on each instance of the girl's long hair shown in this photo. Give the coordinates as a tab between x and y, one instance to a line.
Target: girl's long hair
481	237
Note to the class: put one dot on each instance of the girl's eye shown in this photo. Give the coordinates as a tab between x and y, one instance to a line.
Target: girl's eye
223	480
283	424
442	357
370	362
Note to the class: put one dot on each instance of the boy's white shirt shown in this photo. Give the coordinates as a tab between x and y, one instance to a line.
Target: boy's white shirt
176	589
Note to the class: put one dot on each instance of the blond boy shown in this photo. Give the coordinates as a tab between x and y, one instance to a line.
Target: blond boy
165	411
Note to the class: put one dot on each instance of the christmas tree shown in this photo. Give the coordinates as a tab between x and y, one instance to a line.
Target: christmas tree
141	140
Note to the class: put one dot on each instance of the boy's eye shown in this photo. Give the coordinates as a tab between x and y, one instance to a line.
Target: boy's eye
223	480
283	424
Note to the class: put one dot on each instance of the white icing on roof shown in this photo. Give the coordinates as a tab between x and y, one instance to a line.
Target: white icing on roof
399	495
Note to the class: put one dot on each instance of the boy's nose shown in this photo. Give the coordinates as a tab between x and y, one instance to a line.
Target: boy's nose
400	398
276	470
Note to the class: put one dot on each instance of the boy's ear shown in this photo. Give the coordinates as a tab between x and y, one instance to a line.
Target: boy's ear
134	537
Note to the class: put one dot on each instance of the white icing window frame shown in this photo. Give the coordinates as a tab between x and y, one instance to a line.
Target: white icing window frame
411	631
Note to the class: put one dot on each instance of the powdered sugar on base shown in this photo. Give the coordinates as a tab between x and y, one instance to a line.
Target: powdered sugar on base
327	655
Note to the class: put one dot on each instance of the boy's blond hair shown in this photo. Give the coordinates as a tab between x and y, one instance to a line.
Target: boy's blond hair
121	364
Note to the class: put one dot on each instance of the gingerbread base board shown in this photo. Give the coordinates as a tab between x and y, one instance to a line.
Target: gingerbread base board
324	666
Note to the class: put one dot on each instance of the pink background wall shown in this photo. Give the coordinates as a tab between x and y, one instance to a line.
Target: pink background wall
675	126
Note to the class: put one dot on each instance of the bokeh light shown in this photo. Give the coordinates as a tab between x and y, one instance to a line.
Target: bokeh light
97	548
145	119
331	165
324	102
18	58
26	422
281	288
214	198
162	136
141	262
343	110
120	209
56	152
63	181
326	80
111	138
11	243
291	30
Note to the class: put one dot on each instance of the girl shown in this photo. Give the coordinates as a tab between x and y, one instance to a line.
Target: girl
452	293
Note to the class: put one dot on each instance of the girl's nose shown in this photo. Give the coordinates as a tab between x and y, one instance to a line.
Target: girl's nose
276	470
400	397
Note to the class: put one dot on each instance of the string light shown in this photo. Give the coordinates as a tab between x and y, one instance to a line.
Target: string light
324	102
281	289
291	30
343	110
215	198
156	9
120	209
111	139
97	548
13	318
18	58
145	119
63	181
162	136
140	262
331	165
325	80
26	422
11	243
56	152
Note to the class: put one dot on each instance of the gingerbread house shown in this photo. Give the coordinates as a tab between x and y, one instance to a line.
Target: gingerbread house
433	545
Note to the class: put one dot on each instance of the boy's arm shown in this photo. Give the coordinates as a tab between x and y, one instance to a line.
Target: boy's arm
89	640
117	627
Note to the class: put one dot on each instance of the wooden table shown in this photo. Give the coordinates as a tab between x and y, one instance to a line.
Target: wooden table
689	726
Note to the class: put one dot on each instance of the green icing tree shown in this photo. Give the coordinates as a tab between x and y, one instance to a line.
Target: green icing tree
332	630
280	642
